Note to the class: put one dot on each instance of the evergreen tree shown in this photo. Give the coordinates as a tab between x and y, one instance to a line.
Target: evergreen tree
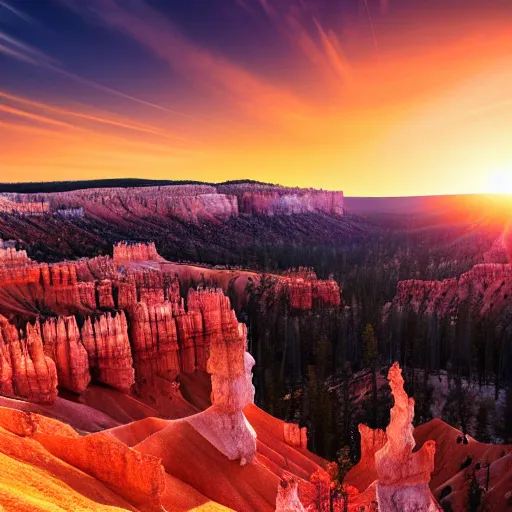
371	355
474	494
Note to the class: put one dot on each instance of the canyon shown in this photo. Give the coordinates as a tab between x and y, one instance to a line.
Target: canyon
143	358
121	321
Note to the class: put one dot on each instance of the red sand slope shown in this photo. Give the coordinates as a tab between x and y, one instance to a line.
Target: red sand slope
450	458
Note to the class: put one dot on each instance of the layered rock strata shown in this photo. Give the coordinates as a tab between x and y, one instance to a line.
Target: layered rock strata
273	200
191	203
154	337
10	203
87	342
17	267
484	287
305	291
295	436
125	252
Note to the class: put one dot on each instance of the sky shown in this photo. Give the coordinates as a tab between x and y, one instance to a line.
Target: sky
372	97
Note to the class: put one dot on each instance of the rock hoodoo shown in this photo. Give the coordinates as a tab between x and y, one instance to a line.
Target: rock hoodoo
287	498
402	475
224	424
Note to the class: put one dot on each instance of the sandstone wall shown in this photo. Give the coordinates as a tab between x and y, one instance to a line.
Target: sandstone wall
305	291
275	200
484	287
191	203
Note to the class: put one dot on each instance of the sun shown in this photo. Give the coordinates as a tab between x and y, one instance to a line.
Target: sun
500	182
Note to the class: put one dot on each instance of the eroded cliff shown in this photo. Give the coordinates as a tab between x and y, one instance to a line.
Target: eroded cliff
190	203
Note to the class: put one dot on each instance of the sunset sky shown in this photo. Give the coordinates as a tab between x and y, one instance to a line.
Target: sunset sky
376	98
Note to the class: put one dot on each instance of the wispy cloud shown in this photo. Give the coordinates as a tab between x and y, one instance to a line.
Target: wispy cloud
26	53
22	15
296	19
80	115
207	70
33	117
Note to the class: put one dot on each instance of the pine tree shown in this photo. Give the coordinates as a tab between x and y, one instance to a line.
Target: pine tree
474	494
370	355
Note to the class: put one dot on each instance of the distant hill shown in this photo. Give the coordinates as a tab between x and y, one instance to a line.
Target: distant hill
427	205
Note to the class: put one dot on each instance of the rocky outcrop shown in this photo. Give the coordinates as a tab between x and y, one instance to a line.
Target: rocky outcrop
9	204
295	436
274	200
26	372
149	285
203	207
106	340
154	337
60	285
125	252
218	320
190	203
191	340
371	442
287	498
304	291
484	287
17	268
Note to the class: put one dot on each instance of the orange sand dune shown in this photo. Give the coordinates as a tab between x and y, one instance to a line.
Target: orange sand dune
120	406
32	479
250	487
189	457
80	416
46	466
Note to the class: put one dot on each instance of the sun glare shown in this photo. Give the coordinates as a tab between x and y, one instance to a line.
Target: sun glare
501	183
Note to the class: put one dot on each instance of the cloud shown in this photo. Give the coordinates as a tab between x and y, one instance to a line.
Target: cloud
19	13
33	117
87	117
30	55
205	69
298	21
25	52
